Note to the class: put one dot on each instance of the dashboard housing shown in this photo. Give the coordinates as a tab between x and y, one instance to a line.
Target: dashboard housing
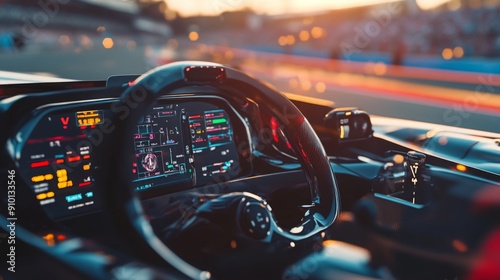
183	142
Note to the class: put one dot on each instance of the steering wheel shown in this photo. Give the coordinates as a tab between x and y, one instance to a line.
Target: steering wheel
140	94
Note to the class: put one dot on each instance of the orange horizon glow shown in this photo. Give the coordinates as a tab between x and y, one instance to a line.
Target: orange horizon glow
431	4
276	7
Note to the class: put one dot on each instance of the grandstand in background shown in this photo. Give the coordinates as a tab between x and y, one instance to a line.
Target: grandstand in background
117	16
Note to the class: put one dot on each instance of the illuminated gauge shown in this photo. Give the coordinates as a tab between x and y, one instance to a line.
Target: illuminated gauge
150	162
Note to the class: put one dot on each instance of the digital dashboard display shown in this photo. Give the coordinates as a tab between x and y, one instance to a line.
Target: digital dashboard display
59	163
161	150
189	143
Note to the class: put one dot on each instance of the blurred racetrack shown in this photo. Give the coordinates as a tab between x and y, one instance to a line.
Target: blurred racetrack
437	98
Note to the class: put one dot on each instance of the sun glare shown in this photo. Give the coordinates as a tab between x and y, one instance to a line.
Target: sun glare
215	7
430	4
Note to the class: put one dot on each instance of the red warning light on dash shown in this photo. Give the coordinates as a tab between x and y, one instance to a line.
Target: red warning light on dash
65	121
73	159
40	164
84	184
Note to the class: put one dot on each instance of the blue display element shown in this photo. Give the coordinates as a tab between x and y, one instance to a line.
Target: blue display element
73	197
89	194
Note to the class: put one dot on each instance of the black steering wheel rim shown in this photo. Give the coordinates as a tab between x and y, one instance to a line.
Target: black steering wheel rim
145	90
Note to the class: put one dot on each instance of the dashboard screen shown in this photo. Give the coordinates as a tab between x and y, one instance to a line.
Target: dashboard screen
160	147
183	141
176	143
58	160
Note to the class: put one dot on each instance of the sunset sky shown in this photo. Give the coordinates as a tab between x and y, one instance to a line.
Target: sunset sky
213	7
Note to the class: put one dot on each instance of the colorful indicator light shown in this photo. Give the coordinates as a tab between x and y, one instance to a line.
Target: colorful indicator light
42	196
61	237
65	122
89	118
39	178
73	159
63	185
74	197
62	179
84	184
49	238
40	164
461	168
217	121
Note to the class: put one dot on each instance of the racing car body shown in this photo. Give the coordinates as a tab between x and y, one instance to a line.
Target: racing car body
196	170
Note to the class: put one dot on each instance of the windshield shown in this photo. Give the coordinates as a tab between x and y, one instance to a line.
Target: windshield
427	60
